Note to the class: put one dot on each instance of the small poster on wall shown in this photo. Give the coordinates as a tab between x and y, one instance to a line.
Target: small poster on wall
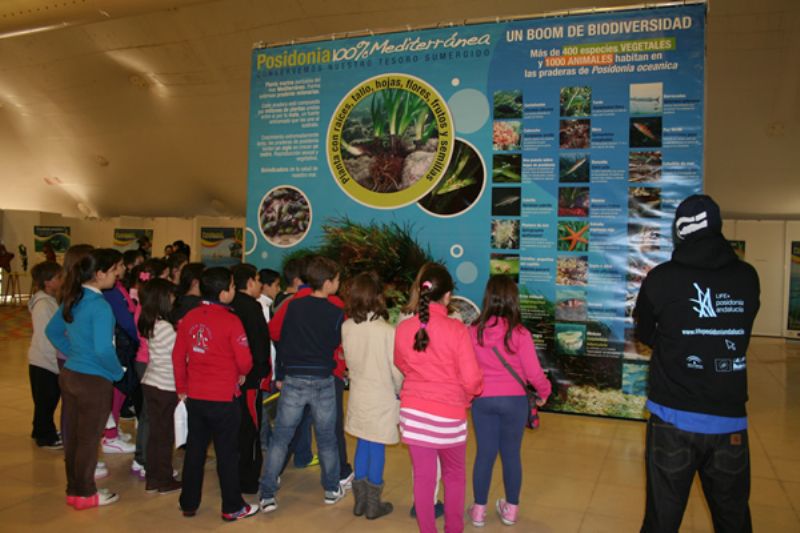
739	248
51	242
128	239
794	288
221	246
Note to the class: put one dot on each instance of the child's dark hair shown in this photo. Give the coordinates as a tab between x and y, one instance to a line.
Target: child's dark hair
44	272
156	305
267	276
150	269
189	274
73	255
500	300
175	260
129	257
319	270
434	283
295	268
364	296
242	273
100	260
213	281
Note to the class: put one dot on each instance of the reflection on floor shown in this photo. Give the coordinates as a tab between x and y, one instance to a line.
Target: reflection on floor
581	474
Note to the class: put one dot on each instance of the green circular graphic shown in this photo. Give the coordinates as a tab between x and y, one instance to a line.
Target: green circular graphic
390	140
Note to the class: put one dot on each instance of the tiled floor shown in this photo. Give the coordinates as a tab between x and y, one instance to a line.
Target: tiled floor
581	474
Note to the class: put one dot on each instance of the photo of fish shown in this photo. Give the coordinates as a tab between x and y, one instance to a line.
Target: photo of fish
644	202
634	378
575	134
571	305
506	201
572	270
570	339
507	264
644	237
644	166
574	168
460	186
508	104
573	201
647	98
506	135
505	234
573	236
507	168
576	101
645	132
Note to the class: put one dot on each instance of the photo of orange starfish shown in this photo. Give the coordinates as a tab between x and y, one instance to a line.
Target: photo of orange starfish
573	236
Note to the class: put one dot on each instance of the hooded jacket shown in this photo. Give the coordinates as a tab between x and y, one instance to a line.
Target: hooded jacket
696	311
42	353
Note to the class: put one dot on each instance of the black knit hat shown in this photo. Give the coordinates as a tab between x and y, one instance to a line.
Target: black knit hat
697	216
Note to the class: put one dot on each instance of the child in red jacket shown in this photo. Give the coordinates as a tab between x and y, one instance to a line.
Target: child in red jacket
211	359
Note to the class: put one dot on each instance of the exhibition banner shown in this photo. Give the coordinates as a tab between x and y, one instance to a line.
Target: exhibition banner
128	239
51	241
221	246
553	150
794	289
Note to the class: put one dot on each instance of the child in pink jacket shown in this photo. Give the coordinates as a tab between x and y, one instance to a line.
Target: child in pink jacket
500	413
435	355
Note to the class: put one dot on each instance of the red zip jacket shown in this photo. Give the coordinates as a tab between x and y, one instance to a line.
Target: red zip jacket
210	354
276	324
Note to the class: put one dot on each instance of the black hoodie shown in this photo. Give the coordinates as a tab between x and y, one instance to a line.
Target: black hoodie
696	312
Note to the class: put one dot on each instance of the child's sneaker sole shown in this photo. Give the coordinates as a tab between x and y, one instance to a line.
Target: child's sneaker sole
245	512
268	505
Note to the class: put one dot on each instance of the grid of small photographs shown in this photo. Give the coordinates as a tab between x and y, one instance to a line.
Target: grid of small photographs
506	182
573	237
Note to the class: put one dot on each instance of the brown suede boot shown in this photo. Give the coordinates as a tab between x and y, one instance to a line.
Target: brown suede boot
360	496
375	507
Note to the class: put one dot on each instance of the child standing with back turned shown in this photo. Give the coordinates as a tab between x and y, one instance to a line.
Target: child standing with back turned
372	412
435	355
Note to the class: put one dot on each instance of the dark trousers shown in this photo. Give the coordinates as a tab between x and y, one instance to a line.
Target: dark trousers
160	406
345	468
250	456
143	425
86	405
46	393
218	421
673	456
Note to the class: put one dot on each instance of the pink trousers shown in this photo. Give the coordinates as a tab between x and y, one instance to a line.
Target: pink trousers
116	407
454	477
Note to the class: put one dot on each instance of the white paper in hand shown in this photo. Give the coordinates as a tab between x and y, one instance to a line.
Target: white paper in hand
181	424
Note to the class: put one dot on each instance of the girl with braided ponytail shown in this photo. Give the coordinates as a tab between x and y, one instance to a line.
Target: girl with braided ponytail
442	376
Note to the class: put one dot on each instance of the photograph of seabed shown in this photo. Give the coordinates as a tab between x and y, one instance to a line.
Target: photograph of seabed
575	134
573	201
389	140
508	104
506	264
644	202
647	98
644	166
573	236
284	216
574	167
506	135
576	101
505	234
460	186
634	377
572	270
571	305
506	201
507	168
645	132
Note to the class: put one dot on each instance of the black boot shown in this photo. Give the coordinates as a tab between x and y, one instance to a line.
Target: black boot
375	507
360	495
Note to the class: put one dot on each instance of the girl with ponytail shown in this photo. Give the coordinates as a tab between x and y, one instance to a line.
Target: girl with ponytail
83	329
442	376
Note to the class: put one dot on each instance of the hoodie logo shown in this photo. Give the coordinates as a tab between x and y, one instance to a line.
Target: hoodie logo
703	300
687	225
694	362
201	335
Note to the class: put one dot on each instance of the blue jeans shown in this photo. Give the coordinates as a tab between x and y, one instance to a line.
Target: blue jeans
499	424
369	460
296	394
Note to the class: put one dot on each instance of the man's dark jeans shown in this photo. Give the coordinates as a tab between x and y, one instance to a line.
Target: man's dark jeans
673	456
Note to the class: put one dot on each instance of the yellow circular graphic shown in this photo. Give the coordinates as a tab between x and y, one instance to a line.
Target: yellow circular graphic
390	140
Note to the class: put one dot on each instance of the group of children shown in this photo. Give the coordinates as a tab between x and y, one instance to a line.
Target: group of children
224	338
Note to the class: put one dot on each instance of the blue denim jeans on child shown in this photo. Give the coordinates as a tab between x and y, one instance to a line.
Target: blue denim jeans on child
297	392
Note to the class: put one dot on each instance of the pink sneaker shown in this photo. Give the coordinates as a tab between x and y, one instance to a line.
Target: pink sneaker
508	513
477	513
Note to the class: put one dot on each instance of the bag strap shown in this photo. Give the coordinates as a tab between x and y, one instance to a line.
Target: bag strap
509	368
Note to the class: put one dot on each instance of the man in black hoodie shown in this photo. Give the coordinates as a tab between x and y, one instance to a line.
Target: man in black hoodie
696	312
247	308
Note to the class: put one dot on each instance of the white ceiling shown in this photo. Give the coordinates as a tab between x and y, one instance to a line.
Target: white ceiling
140	107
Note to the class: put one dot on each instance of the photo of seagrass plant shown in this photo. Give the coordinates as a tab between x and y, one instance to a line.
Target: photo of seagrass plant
461	184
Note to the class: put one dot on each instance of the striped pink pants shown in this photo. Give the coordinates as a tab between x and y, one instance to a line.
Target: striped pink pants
454	477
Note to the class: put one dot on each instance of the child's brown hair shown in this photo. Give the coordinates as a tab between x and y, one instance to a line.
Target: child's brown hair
365	296
44	272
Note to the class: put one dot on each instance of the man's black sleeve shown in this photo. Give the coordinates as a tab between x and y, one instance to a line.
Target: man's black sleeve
644	317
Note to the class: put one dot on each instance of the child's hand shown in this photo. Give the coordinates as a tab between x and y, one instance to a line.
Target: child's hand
541	401
182	397
279	385
241	380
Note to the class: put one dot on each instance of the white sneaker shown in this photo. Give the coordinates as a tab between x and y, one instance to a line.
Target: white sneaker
100	471
117	446
332	497
105	497
138	470
347	483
